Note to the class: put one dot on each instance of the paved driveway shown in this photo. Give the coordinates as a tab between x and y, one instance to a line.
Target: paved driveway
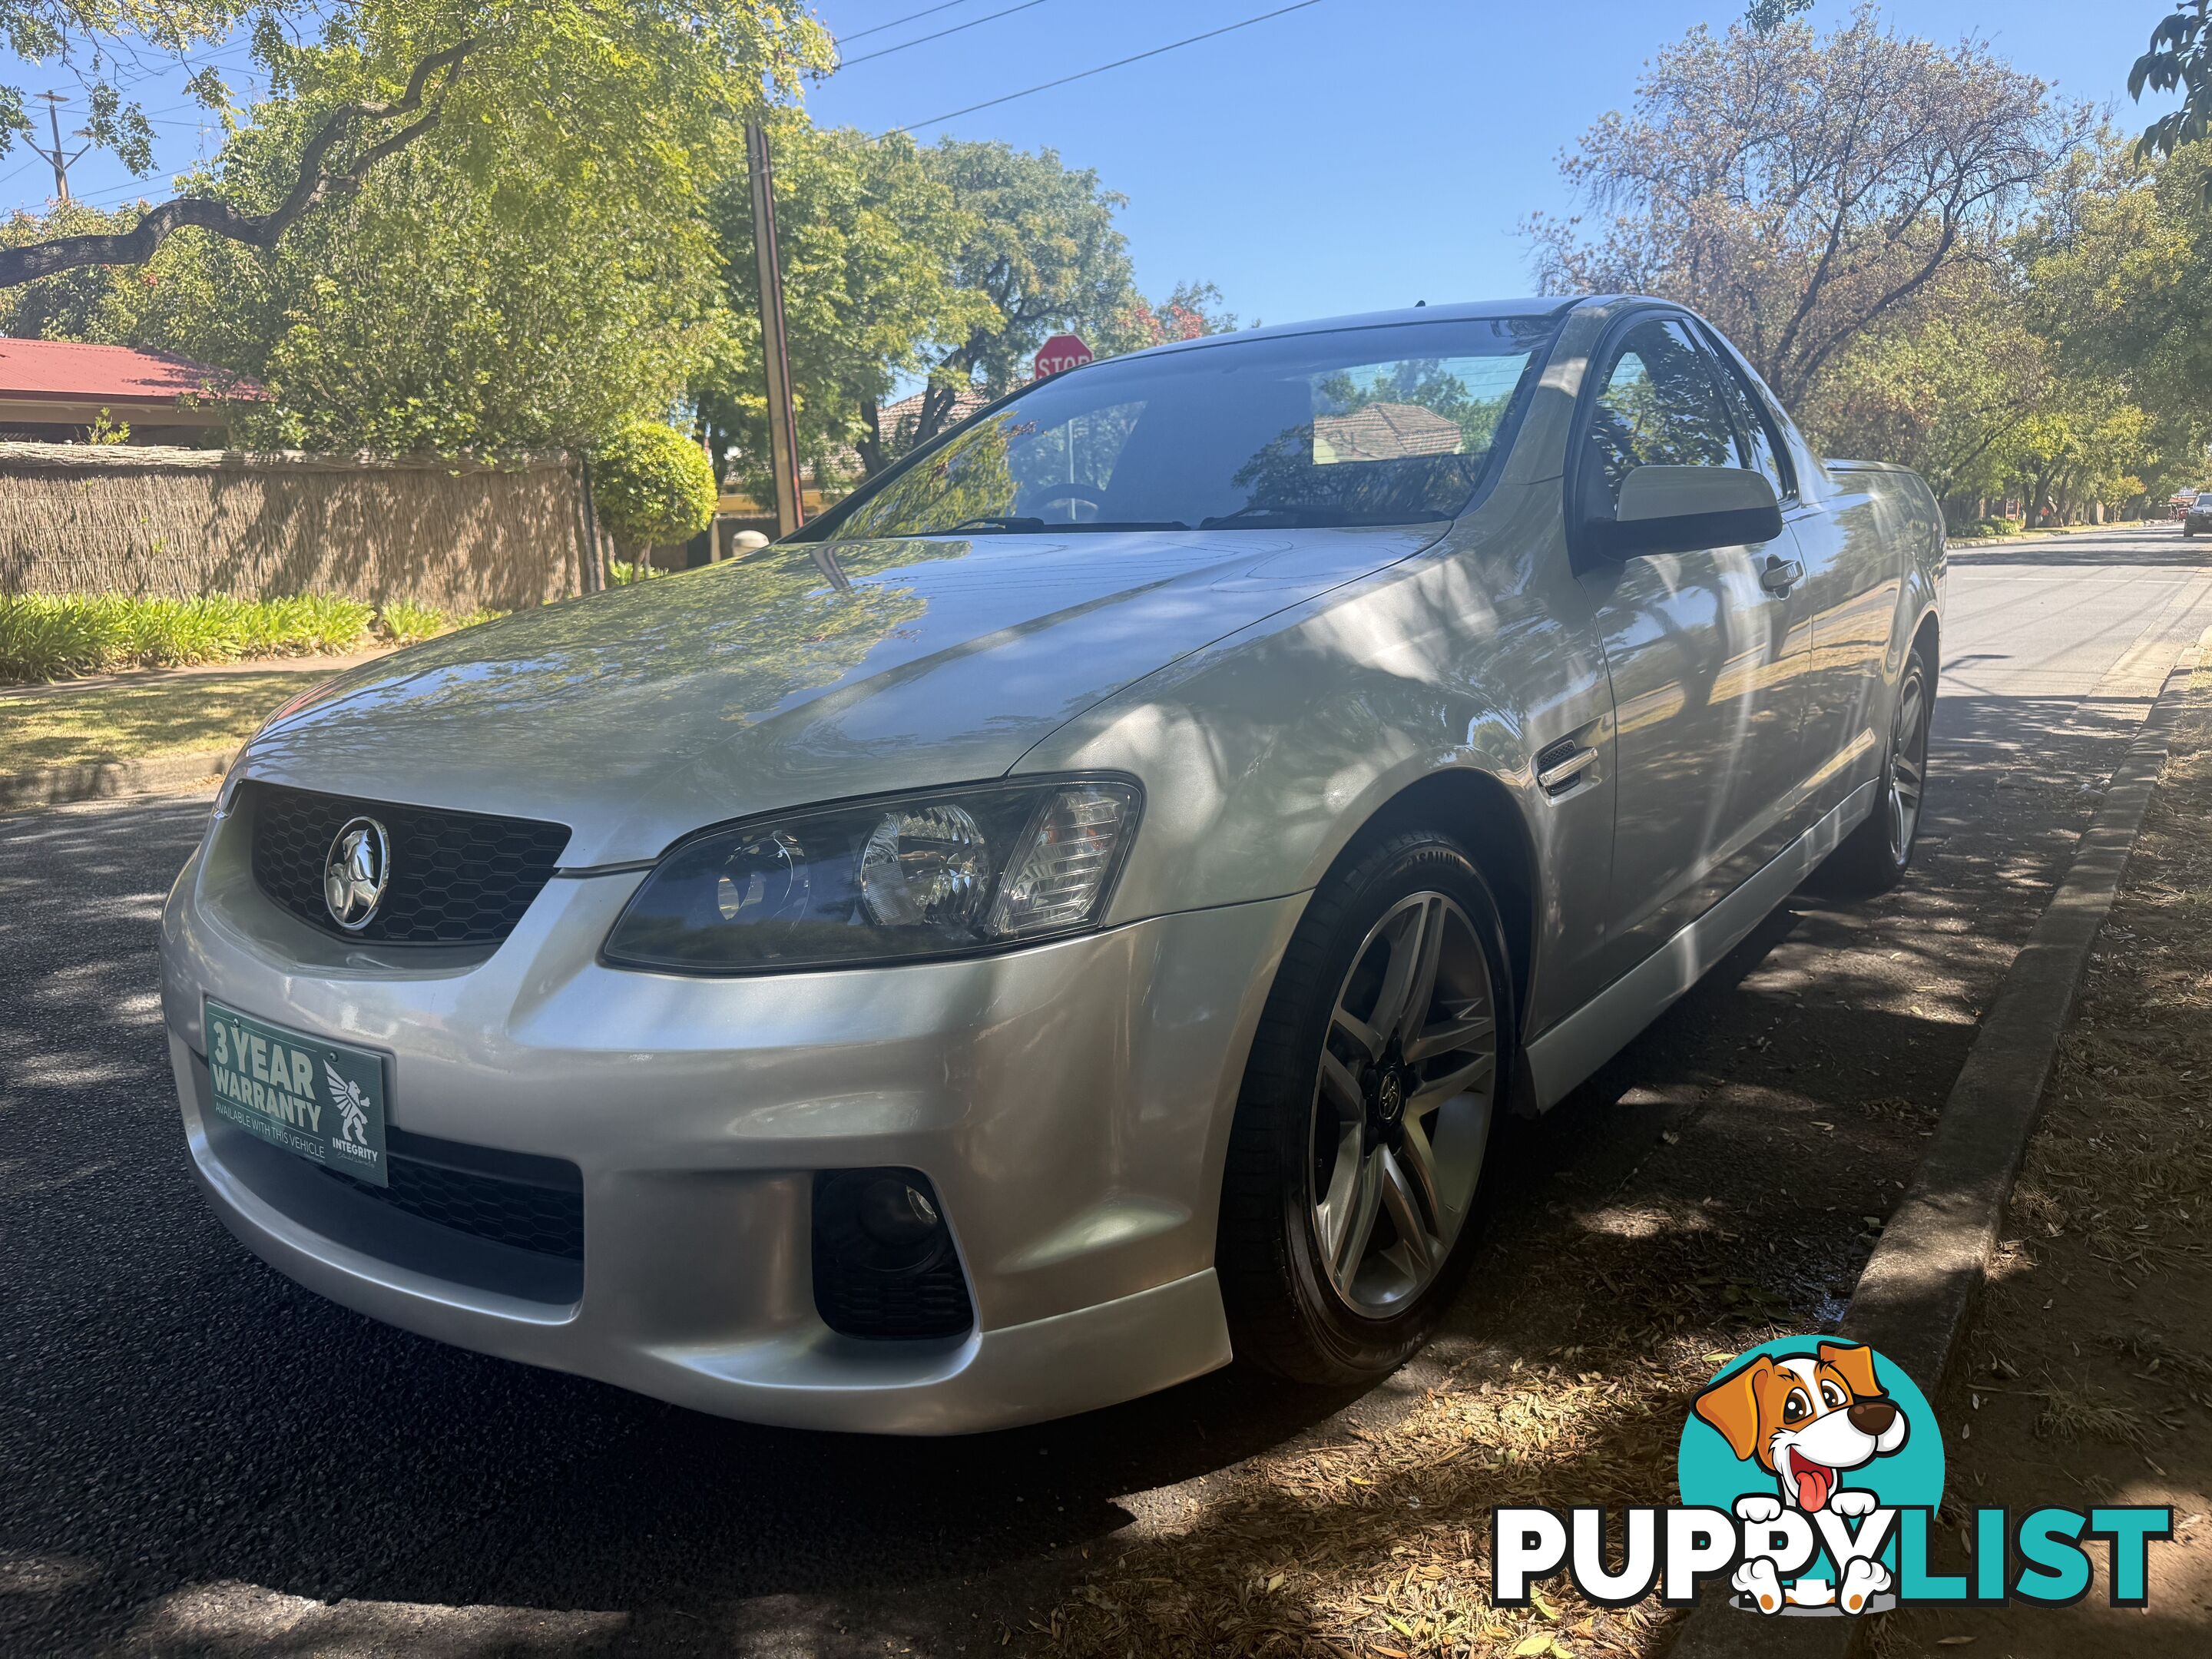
195	1456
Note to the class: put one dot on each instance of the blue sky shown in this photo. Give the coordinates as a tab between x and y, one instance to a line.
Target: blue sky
1355	155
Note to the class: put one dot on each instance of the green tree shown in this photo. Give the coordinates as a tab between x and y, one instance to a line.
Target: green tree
495	285
949	265
425	313
652	484
582	90
2088	444
1042	253
2180	56
73	305
1946	395
864	228
2119	280
1803	190
1768	16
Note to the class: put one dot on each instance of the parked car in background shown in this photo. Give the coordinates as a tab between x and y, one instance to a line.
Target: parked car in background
1080	909
2198	515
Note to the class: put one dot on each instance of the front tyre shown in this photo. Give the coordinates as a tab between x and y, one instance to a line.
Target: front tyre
1364	1128
1874	856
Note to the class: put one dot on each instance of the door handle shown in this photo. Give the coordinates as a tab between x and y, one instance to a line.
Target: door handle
1561	766
1781	575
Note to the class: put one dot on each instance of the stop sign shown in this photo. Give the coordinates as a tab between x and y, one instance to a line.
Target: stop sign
1060	353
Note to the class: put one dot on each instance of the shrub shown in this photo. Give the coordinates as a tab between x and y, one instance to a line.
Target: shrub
404	624
56	636
651	483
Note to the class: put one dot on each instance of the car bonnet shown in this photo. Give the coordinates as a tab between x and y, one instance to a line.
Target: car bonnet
803	673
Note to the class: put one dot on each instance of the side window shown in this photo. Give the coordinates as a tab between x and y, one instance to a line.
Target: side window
1761	444
1658	407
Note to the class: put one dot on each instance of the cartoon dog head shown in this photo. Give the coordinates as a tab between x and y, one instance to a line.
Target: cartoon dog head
1805	1421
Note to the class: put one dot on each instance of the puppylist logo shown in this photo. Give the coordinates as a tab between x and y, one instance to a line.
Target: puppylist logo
1810	1472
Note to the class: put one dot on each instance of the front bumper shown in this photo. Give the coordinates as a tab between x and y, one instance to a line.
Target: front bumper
1071	1104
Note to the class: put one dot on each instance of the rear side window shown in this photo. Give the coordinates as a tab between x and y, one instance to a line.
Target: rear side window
1761	444
1658	406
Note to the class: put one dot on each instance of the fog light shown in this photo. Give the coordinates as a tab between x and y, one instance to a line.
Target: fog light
899	1216
884	1264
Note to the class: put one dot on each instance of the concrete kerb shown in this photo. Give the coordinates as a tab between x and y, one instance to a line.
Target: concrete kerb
1918	1290
57	786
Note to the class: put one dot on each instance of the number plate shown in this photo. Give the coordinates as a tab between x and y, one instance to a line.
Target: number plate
320	1099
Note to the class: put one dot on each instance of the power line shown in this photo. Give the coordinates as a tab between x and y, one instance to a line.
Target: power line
911	17
924	39
1119	63
60	162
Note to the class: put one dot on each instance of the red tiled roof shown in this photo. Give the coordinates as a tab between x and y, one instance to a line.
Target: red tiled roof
1385	432
68	371
906	412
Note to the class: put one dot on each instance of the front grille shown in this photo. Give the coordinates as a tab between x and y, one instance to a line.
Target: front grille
455	878
532	1203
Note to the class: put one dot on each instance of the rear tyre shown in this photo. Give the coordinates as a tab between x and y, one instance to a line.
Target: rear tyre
1876	854
1364	1129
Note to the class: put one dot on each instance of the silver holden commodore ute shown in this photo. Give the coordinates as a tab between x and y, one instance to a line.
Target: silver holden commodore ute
1079	909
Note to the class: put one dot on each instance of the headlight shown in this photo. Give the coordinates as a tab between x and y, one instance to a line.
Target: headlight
948	873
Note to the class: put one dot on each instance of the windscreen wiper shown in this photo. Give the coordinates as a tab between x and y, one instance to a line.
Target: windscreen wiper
993	524
1309	518
1122	524
987	523
1292	518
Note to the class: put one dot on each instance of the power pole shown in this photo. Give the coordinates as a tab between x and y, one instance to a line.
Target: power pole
775	352
60	163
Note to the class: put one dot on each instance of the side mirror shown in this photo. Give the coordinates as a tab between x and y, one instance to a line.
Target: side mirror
1684	509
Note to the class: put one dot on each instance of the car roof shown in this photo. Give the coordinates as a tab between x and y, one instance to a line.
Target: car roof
1451	311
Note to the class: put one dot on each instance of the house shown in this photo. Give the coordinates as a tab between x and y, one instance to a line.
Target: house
56	391
1384	432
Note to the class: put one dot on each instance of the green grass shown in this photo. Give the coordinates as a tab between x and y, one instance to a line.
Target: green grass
63	636
138	721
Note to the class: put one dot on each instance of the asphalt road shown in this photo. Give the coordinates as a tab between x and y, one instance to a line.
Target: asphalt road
196	1457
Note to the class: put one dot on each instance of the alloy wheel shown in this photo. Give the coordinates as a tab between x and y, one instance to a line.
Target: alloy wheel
1407	1085
1909	764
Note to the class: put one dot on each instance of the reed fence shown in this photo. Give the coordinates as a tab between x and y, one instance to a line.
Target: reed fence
461	536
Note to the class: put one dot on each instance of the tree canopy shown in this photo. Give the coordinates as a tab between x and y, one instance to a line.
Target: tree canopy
583	89
865	229
1041	252
1930	258
944	267
1802	189
2179	58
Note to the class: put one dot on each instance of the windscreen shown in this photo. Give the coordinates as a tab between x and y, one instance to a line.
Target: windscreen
1362	426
